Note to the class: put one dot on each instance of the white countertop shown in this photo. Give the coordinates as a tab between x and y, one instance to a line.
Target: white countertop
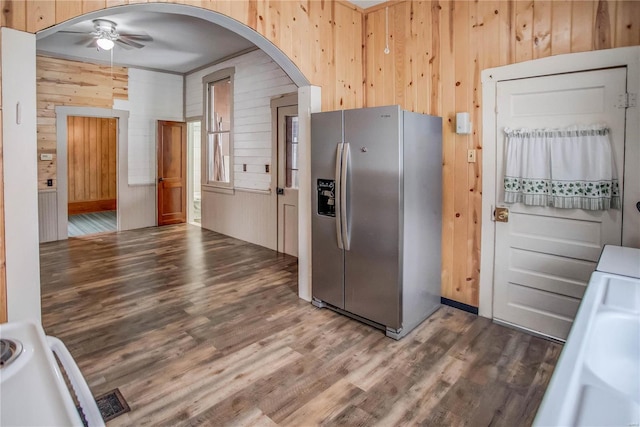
620	260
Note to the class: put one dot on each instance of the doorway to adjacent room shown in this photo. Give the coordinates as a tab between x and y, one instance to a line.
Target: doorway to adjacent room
91	174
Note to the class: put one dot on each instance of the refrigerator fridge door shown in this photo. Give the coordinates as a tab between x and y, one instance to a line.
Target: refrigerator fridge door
372	265
327	253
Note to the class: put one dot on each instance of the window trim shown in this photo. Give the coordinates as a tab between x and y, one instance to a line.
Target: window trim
225	187
286	100
191	166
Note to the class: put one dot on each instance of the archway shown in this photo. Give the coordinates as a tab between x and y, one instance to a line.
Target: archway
309	100
208	15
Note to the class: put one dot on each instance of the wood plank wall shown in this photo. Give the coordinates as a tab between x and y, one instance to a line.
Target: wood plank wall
91	152
437	51
323	38
69	83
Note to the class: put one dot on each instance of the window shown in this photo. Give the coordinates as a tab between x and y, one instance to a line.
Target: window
292	152
218	93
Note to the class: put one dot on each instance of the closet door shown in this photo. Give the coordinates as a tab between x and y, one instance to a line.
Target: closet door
544	256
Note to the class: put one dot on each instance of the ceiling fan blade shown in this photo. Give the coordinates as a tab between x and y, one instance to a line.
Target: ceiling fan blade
93	43
74	32
137	37
84	40
128	44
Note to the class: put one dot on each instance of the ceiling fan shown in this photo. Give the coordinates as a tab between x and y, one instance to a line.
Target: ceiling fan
105	36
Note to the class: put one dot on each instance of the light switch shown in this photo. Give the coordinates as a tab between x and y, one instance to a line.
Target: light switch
471	156
46	156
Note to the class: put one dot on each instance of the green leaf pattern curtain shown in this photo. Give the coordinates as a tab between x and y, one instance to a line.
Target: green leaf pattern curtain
570	168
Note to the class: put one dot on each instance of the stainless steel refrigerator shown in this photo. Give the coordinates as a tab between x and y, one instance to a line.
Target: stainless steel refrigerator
377	215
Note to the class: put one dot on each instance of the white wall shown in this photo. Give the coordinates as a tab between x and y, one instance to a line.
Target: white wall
250	212
20	174
153	96
257	80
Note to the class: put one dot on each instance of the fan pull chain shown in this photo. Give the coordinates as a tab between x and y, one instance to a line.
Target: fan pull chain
386	30
112	83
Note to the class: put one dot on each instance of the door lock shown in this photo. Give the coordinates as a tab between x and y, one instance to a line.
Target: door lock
502	215
279	191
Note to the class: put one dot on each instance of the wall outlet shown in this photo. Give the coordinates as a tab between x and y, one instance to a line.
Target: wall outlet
471	156
49	182
46	156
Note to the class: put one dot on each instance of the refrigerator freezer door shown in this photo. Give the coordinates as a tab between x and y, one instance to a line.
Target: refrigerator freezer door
372	267
327	257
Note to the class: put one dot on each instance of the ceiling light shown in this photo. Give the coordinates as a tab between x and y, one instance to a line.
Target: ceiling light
105	43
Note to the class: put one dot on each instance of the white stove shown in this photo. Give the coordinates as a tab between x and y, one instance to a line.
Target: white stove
33	391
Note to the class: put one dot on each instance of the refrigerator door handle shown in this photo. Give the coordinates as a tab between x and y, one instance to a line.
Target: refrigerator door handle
337	196
343	197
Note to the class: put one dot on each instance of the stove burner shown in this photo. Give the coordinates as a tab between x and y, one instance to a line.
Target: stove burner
9	351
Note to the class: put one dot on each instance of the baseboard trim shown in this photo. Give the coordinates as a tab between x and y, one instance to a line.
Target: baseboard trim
89	206
459	305
528	331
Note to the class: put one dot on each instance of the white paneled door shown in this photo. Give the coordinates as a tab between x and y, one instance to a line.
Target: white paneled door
543	255
288	180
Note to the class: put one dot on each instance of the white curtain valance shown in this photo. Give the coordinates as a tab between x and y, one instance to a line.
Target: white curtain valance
569	168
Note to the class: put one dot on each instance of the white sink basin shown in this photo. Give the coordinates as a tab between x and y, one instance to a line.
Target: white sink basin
596	381
613	352
599	407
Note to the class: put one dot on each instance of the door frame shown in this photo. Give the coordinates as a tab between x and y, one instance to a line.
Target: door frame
190	170
628	57
62	189
287	100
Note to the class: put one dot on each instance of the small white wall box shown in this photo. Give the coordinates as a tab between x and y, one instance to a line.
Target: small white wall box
463	125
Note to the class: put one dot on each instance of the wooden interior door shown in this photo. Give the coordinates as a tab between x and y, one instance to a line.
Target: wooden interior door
172	172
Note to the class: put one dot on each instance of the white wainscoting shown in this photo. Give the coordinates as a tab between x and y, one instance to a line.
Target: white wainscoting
48	215
137	207
245	215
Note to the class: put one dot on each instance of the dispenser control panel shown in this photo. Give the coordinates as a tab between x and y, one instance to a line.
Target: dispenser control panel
326	197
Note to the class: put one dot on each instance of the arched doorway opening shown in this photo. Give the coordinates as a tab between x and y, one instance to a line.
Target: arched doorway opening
308	98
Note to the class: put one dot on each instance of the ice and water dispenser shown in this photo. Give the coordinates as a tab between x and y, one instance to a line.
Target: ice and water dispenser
326	197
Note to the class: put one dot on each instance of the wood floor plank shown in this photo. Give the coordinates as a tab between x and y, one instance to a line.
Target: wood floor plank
325	405
197	328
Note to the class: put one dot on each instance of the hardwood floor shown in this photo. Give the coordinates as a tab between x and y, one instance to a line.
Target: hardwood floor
92	223
196	328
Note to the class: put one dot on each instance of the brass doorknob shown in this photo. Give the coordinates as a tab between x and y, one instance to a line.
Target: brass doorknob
502	214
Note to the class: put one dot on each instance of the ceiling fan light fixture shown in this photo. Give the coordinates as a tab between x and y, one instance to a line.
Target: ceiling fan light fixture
105	43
